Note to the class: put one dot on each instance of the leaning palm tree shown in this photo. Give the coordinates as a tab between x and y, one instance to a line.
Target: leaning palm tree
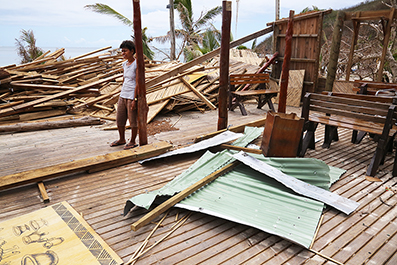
26	46
191	31
107	10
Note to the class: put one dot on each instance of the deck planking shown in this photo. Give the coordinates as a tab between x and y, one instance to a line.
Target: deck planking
100	198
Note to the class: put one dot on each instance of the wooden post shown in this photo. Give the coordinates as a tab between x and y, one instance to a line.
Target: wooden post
285	70
386	38
141	89
224	65
356	27
333	60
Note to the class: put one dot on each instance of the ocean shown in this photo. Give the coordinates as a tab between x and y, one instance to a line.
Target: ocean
8	54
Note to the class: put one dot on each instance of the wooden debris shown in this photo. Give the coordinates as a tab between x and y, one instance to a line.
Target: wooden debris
91	164
91	83
180	196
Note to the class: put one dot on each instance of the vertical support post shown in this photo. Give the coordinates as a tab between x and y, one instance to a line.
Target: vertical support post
224	65
356	27
141	89
172	30
386	38
282	102
333	60
317	53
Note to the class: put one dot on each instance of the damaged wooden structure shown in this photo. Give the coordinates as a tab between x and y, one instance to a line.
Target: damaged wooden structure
184	237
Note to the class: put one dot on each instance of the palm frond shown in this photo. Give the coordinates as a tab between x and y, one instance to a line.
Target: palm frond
209	15
107	10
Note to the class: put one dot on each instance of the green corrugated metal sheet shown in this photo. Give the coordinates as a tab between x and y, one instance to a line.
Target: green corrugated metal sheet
188	177
251	198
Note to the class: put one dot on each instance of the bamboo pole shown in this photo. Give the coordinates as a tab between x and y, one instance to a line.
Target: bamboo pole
224	65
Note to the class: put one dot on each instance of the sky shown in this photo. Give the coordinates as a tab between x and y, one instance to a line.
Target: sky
62	24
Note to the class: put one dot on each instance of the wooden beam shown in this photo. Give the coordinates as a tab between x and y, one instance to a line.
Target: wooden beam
28	105
223	93
356	28
142	106
335	47
238	148
201	96
43	192
100	162
185	66
181	195
239	128
282	102
386	37
48	125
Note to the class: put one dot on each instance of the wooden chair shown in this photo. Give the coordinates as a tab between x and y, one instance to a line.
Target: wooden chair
263	95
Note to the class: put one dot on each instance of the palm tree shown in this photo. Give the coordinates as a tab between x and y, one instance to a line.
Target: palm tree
107	10
191	31
210	40
26	46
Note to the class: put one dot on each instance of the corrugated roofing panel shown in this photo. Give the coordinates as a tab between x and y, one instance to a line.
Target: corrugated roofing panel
245	196
343	204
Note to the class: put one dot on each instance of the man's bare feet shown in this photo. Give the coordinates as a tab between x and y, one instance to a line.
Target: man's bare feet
117	143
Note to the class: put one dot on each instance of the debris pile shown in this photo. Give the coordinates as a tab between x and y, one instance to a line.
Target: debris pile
89	85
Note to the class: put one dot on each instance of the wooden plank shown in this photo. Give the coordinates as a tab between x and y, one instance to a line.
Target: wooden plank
155	109
237	129
19	108
41	114
103	161
43	192
48	125
238	148
255	92
295	87
201	96
180	196
205	57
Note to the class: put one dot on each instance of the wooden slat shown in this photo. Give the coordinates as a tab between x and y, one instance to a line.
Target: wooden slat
181	195
349	114
16	109
350	101
103	161
201	96
349	108
43	192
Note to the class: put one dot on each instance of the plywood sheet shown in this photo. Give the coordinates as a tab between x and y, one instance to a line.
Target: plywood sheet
343	87
53	235
154	109
295	86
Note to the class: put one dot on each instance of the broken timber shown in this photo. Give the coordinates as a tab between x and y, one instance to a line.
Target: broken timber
180	196
19	108
91	164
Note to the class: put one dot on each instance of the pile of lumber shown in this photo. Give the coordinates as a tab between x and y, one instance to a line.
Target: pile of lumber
89	85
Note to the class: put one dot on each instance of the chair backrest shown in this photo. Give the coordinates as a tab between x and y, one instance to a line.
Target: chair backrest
242	79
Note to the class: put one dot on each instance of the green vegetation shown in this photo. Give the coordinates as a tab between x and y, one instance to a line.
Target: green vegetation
107	10
26	47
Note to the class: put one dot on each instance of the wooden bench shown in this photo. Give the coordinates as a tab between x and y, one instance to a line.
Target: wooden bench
351	111
263	95
373	88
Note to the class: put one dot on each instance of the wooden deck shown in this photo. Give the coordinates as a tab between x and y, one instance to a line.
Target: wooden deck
367	236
